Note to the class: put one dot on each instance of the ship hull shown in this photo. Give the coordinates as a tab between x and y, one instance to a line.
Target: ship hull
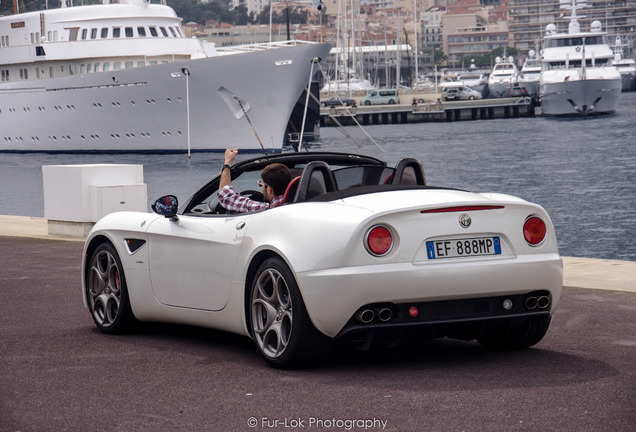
177	107
580	97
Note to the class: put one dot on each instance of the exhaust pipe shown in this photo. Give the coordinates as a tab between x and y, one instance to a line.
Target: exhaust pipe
384	314
531	302
365	316
543	302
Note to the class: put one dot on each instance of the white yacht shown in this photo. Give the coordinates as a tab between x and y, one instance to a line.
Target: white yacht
578	77
504	76
476	81
626	67
530	74
124	78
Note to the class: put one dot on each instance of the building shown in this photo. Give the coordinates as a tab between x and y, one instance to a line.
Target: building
528	19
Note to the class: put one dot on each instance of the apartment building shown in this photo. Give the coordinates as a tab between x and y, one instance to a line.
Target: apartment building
528	19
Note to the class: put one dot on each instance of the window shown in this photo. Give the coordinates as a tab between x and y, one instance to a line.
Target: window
97	66
106	66
72	34
84	33
104	34
116	65
164	32
153	31
128	65
116	32
129	32
94	33
141	31
172	32
141	63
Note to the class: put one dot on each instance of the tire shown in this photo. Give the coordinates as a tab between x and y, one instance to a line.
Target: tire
367	102
280	326
391	101
107	292
516	335
344	104
471	97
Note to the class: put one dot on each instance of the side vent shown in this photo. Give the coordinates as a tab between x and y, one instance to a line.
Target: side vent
133	245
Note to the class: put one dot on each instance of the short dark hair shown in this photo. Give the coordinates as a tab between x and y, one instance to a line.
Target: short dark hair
277	176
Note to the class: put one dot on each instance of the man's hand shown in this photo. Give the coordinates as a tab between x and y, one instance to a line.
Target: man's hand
230	154
226	176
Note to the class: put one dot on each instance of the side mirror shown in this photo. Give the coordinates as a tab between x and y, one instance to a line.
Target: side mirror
166	206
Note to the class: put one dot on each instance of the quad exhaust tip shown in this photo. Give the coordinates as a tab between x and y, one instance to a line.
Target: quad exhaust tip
541	302
366	316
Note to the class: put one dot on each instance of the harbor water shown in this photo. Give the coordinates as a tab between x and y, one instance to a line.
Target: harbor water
581	170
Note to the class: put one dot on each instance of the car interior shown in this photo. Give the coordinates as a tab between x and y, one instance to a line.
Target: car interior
320	182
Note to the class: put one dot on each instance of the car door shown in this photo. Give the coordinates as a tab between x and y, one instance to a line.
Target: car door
192	259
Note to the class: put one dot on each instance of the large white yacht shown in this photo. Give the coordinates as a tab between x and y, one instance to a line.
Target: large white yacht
504	76
626	67
530	74
123	77
578	77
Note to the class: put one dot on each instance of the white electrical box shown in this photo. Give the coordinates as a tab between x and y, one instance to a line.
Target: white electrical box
86	193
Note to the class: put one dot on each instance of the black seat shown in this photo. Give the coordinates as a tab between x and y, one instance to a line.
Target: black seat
316	179
409	171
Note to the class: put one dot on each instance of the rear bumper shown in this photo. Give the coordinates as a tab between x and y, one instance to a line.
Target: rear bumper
332	297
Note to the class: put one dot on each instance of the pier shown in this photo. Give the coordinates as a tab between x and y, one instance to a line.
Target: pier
438	111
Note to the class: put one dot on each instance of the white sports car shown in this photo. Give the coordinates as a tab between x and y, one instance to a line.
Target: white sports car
360	253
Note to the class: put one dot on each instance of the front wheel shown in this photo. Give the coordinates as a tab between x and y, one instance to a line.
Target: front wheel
107	291
515	335
282	330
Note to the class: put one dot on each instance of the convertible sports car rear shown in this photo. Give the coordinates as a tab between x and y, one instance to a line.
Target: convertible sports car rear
360	253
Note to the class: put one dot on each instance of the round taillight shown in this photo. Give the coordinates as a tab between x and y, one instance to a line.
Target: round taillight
379	240
534	230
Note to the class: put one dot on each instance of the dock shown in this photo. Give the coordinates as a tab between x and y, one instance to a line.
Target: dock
437	111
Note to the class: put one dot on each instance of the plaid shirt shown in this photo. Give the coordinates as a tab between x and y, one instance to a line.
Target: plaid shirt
233	201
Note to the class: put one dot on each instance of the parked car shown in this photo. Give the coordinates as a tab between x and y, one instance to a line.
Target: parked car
381	97
518	91
460	93
338	101
360	252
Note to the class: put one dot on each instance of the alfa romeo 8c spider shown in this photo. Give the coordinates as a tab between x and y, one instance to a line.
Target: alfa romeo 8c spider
360	253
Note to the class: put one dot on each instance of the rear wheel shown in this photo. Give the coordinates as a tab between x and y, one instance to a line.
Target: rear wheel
516	335
282	330
107	292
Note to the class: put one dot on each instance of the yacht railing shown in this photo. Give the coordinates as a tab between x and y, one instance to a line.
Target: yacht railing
264	46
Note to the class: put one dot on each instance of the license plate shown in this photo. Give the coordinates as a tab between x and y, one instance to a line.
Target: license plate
464	247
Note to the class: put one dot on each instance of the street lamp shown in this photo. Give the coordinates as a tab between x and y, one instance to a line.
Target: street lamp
320	8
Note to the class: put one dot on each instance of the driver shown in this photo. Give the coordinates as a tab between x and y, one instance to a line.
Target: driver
274	180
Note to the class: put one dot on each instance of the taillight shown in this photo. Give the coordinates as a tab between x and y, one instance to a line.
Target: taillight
379	240
534	230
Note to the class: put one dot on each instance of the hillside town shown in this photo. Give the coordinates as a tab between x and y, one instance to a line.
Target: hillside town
450	34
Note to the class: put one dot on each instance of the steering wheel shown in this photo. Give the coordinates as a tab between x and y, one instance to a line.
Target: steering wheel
253	195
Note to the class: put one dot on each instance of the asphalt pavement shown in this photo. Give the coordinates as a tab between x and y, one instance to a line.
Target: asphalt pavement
59	373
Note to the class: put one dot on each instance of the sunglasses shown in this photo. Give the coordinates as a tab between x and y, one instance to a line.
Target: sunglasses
261	183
